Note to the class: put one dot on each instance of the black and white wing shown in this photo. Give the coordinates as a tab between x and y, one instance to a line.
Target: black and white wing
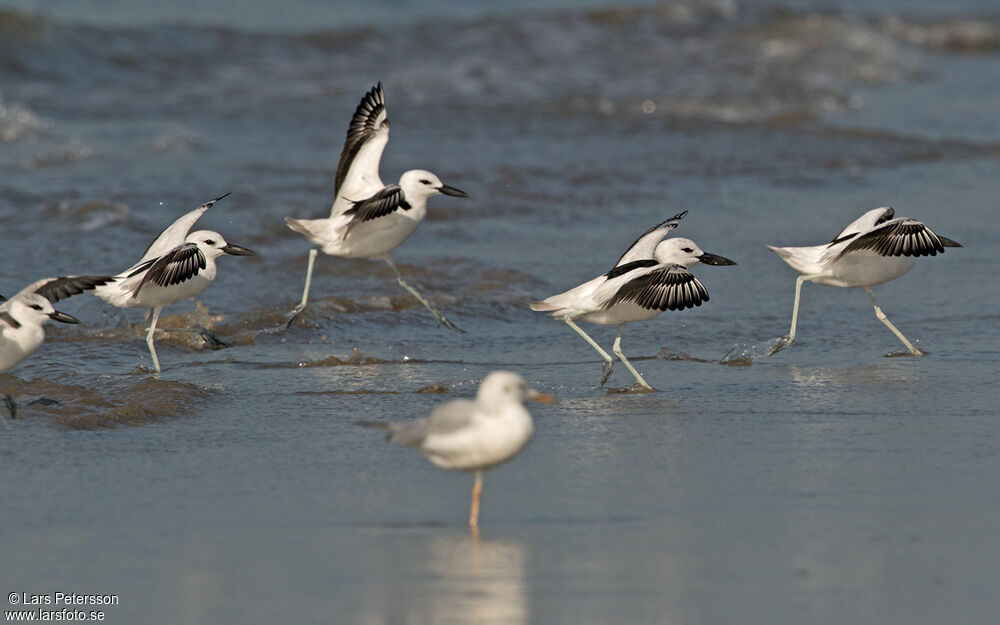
179	265
366	138
900	237
666	287
645	245
55	289
385	202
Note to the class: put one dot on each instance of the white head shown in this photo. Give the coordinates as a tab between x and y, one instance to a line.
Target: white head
213	245
419	184
33	309
504	387
686	252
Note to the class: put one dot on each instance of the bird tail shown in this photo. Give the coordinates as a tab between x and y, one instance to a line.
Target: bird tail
298	225
802	259
543	306
325	233
410	434
555	309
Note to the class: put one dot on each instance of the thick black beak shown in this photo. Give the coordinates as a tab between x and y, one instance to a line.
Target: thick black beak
713	259
238	250
55	315
452	191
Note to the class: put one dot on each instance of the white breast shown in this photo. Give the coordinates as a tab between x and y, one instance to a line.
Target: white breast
151	295
18	344
483	444
625	312
380	236
866	268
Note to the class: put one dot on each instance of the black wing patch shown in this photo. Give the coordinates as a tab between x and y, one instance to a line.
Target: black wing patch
387	201
671	288
63	287
627	267
179	265
6	318
361	129
907	237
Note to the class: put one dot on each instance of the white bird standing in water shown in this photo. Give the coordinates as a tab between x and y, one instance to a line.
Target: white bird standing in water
650	277
871	250
474	436
22	317
369	219
175	267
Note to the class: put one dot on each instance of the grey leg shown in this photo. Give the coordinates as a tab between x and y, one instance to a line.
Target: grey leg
618	352
609	362
881	317
149	337
795	313
292	316
441	318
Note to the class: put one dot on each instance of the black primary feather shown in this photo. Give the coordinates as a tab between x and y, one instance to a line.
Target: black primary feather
672	287
361	129
907	237
179	265
66	286
385	202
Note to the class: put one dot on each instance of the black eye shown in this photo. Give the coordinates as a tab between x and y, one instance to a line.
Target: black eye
36	307
687	249
425	182
211	242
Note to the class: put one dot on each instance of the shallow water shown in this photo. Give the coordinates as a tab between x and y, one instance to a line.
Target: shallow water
827	484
